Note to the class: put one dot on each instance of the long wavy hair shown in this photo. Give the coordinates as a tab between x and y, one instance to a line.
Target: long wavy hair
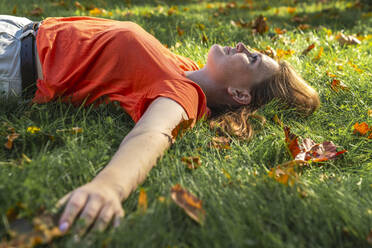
286	85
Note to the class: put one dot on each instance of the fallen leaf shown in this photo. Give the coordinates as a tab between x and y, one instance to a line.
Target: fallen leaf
347	40
304	26
142	201
300	19
200	26
369	237
336	85
181	128
180	31
260	25
172	10
33	129
14	11
361	128
291	10
291	141
269	51
36	11
73	130
220	142
231	5
192	162
11	137
286	173
319	53
280	53
308	49
204	37
95	12
78	5
41	231
277	120
27	159
308	150
280	31
227	175
330	74
190	203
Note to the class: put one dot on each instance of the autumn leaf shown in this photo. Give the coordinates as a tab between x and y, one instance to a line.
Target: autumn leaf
142	201
303	26
36	11
231	5
280	53
10	138
347	40
78	5
260	25
192	162
319	53
269	51
291	141
172	10
33	129
190	203
180	31
73	130
286	173
361	128
220	142
308	49
369	237
227	175
336	85
41	231
181	128
280	31
308	150
14	11
291	10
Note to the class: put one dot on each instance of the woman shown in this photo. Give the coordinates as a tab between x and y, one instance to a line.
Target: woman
91	60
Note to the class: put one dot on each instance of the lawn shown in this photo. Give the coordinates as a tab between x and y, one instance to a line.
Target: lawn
325	204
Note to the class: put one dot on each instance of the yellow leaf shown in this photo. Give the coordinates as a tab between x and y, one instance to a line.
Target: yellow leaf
33	129
142	201
27	159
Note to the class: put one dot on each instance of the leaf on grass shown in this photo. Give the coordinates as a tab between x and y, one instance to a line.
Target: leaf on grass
27	159
192	162
14	11
291	10
277	120
280	53
204	37
240	23
11	137
369	237
361	128
308	49
142	201
220	142
181	128
260	25
231	5
180	31
227	175
286	173
347	40
172	10
270	52
36	11
190	203
303	26
41	231
291	141
280	31
336	85
320	53
308	150
33	129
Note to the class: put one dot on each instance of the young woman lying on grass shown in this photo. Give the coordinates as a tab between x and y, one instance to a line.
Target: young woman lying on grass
91	60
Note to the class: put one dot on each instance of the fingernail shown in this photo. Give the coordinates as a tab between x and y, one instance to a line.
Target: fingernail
63	227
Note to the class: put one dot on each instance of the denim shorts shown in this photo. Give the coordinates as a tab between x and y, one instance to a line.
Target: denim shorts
10	49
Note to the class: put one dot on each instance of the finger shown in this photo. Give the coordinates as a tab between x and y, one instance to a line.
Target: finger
73	208
104	218
90	213
63	200
118	216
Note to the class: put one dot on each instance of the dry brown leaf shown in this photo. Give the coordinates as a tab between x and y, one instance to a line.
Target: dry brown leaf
280	31
37	11
11	137
308	49
304	26
14	11
190	203
347	40
319	53
291	141
180	31
369	237
286	173
220	142
192	162
260	25
142	201
336	85
181	128
24	234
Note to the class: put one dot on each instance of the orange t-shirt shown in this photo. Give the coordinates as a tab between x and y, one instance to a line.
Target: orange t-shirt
89	59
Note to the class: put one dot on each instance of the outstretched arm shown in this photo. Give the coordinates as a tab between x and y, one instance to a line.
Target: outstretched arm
100	200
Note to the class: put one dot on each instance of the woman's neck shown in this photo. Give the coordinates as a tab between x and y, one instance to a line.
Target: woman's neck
216	93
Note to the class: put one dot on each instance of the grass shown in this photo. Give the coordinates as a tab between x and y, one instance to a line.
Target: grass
330	205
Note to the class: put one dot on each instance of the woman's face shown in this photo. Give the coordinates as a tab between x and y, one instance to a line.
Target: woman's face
238	67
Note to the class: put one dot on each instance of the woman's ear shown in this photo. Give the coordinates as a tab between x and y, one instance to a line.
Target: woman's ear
240	96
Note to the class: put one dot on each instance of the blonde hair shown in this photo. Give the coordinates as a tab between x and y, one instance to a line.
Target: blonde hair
286	85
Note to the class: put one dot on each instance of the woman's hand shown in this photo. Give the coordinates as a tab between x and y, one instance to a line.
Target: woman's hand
97	202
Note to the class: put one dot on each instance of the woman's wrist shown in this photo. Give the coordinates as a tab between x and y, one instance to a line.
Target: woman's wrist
118	187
